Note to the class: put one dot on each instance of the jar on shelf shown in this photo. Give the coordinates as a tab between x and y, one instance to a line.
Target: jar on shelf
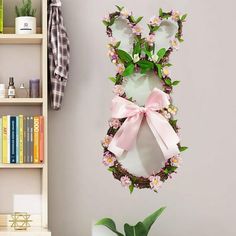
2	91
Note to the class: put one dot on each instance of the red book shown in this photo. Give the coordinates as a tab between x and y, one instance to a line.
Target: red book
41	139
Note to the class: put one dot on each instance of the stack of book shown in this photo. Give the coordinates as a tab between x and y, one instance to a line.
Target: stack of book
21	139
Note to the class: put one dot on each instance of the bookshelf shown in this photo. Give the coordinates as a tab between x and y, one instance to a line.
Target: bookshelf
12	174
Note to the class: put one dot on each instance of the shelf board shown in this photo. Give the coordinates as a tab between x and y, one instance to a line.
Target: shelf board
36	231
21	166
20	101
21	39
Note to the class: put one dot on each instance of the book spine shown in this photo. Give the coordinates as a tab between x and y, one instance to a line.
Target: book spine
4	140
24	139
1	16
27	140
1	152
31	139
13	139
41	139
8	139
17	140
21	139
36	139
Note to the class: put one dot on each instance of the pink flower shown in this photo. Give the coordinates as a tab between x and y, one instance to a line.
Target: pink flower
155	182
155	21
175	15
125	181
166	71
106	141
113	41
125	13
150	39
137	30
106	18
174	44
108	159
118	90
176	161
120	68
114	123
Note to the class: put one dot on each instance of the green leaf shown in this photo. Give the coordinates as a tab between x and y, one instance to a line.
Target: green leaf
132	19
106	23
124	56
173	122
160	12
131	188
129	70
139	19
118	44
110	224
149	221
176	82
159	68
112	79
147	53
112	169
144	64
183	18
137	230
182	149
168	82
119	8
137	48
161	53
170	169
155	28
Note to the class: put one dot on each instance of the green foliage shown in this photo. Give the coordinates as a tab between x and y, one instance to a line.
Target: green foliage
137	48
112	79
129	70
26	9
124	56
161	53
183	18
119	8
182	149
176	82
131	188
159	68
140	229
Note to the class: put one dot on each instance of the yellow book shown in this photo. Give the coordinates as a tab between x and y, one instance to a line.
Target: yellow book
36	139
21	138
4	140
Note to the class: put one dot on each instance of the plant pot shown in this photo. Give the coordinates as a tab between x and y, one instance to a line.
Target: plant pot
25	25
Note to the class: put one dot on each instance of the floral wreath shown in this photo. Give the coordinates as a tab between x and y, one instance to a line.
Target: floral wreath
143	59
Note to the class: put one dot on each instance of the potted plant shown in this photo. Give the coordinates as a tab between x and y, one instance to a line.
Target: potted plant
25	21
140	229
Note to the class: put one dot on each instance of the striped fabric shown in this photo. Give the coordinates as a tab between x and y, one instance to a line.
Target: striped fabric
58	54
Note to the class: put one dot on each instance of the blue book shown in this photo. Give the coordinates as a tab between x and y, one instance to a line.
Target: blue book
13	139
17	140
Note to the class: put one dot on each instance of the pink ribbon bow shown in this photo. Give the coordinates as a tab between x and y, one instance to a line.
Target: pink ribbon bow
125	137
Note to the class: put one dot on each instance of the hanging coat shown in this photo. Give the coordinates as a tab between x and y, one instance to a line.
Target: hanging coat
58	53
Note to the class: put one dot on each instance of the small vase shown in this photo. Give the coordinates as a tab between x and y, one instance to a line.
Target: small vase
25	25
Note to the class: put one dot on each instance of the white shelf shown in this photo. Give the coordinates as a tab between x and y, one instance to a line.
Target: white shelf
20	101
21	39
34	231
21	166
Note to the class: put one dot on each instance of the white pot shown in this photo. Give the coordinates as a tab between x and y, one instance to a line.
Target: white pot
25	25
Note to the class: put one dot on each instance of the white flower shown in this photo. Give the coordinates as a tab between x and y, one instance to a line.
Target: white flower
136	58
155	58
165	71
150	39
118	90
176	161
155	182
137	30
155	21
172	109
125	13
174	44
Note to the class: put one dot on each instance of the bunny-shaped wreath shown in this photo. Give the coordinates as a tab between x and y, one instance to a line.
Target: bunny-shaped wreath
128	113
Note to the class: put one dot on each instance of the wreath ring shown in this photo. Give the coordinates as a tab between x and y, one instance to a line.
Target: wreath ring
143	49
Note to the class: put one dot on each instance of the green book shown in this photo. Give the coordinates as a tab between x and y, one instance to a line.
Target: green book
1	16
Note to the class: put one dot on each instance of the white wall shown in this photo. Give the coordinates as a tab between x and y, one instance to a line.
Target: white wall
200	199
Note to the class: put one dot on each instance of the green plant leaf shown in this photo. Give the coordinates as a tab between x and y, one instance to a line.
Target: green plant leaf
147	53
144	64
137	230
160	12
129	70
132	18
106	23
173	122
149	221
137	48
183	18
139	19
161	53
159	68
176	82
112	79
131	188
110	224
119	8
168	82
182	149
124	56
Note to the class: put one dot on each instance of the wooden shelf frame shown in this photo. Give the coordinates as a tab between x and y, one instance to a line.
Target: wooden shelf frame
21	39
21	101
21	166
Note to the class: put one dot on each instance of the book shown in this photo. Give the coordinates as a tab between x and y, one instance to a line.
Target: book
17	140
4	140
31	141
24	139
12	139
27	139
1	152
36	139
8	139
1	16
41	139
21	139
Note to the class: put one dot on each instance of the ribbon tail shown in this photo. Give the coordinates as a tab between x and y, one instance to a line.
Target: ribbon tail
125	137
164	133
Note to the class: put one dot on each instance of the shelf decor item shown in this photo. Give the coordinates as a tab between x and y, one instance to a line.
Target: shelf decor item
2	91
20	221
142	145
142	228
25	22
22	91
34	88
1	16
